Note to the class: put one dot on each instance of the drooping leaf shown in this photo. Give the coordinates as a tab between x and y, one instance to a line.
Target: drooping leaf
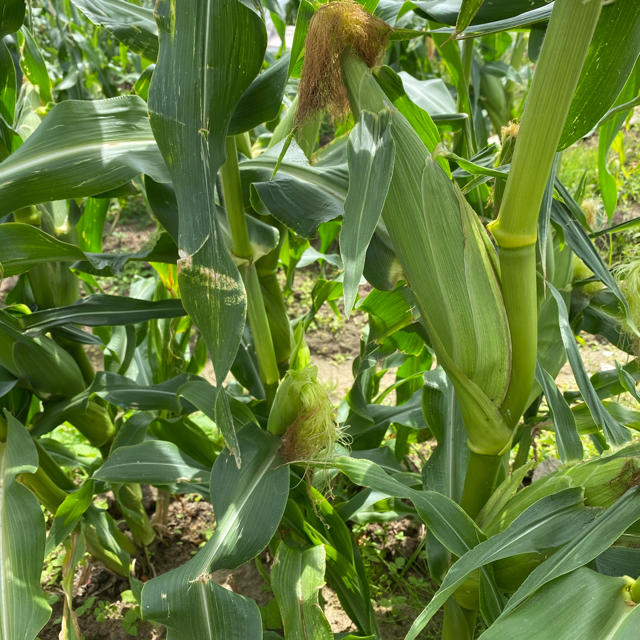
22	246
262	99
186	600
608	131
151	462
447	11
131	24
210	51
23	608
567	438
82	148
371	156
614	432
100	309
206	398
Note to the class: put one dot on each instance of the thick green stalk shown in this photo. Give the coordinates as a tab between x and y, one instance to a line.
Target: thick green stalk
241	248
563	53
479	482
564	50
458	623
259	323
234	203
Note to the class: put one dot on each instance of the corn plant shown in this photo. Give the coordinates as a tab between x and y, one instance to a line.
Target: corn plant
483	271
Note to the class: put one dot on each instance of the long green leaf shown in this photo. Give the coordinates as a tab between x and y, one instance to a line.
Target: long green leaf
371	156
210	51
151	462
99	309
467	13
23	608
81	148
448	522
447	11
445	469
614	431
567	438
586	545
248	504
549	522
612	54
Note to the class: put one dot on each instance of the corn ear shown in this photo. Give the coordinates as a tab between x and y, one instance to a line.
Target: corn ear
93	422
302	415
446	256
48	368
604	481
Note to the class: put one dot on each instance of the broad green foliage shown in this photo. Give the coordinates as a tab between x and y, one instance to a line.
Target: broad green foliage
23	609
183	361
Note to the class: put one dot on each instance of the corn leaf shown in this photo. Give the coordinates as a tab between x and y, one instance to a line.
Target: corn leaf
262	100
90	227
567	438
81	148
151	462
586	545
550	522
612	54
444	518
186	600
99	309
448	11
577	238
614	432
518	19
69	514
446	467
371	155
204	397
11	16
210	51
296	579
131	24
582	604
467	13
23	608
608	132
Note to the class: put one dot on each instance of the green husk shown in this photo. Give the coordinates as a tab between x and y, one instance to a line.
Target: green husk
302	414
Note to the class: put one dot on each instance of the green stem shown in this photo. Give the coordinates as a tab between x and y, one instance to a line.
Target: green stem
241	247
259	323
479	482
519	292
458	623
234	203
48	492
568	36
